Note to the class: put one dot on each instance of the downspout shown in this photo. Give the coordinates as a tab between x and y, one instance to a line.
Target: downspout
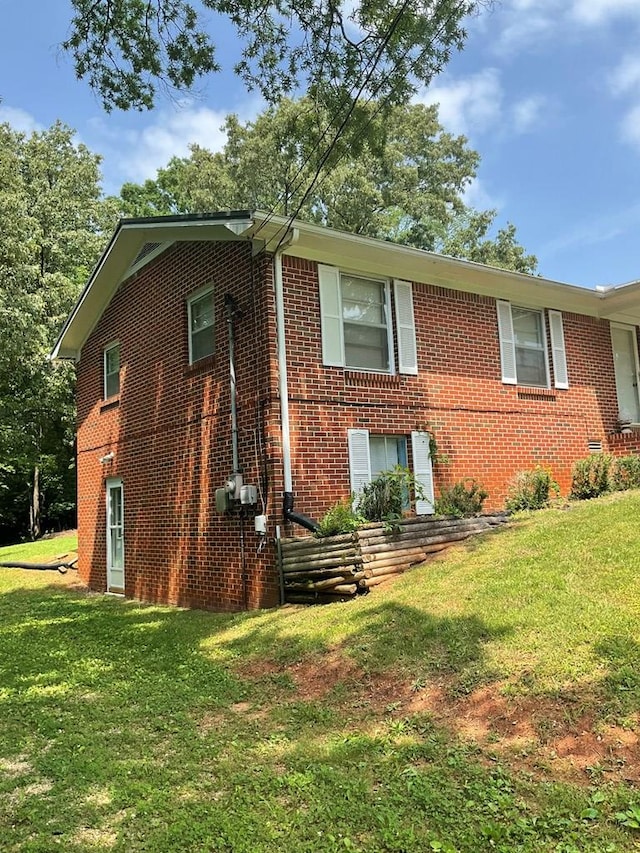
283	388
231	309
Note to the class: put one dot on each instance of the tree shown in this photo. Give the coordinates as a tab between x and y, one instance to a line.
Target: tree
335	48
52	226
404	181
468	238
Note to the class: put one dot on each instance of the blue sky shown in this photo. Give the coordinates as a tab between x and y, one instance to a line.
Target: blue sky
548	91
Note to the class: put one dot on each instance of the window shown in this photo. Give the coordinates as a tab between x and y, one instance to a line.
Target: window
523	346
365	323
111	371
356	322
531	347
200	310
386	452
369	455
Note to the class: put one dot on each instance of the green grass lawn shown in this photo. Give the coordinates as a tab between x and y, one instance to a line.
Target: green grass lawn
42	551
487	701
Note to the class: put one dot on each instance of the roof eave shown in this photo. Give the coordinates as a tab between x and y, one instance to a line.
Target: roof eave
123	248
393	260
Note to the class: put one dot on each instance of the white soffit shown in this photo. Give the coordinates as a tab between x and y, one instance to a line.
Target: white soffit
122	258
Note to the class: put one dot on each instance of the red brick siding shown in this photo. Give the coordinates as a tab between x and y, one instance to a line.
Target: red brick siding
170	433
624	444
486	429
170	430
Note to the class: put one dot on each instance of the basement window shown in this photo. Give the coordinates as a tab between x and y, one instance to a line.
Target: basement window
370	455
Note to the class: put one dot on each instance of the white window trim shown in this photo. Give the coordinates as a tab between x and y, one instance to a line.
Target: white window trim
107	349
360	465
203	291
332	322
388	315
545	347
508	346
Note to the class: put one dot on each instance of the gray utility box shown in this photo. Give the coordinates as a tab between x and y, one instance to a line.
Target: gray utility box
248	495
223	500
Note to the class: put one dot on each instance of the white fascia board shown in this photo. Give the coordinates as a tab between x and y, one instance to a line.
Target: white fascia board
376	257
115	265
104	281
623	300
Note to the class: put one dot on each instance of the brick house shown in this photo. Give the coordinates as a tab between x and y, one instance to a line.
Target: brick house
238	374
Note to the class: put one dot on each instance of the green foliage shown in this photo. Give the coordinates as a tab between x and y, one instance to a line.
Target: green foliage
387	495
531	490
625	473
52	227
590	477
340	518
600	473
630	817
462	500
127	49
471	236
403	180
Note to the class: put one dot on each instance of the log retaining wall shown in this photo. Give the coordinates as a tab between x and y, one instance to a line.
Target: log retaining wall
339	567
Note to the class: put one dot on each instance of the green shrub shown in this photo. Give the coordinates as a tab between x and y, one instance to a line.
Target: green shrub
590	477
385	497
462	500
531	490
625	473
341	518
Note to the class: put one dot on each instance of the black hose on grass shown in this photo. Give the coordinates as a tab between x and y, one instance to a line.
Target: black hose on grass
61	567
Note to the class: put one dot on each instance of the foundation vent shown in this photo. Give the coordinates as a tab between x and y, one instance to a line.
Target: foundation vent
594	446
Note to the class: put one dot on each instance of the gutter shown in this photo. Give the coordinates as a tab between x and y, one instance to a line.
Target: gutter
283	388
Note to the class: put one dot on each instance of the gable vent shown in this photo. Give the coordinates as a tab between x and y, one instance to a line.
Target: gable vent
594	446
144	251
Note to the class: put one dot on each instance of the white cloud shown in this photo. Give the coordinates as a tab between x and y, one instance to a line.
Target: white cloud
602	229
141	152
476	195
529	113
626	77
630	127
594	12
625	81
19	119
525	27
468	105
516	25
171	135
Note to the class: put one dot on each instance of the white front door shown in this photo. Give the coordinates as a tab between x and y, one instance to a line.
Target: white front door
625	359
115	536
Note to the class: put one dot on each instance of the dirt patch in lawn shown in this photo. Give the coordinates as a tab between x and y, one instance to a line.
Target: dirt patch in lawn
542	735
548	737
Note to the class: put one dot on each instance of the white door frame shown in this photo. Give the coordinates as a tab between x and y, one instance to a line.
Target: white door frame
634	337
115	576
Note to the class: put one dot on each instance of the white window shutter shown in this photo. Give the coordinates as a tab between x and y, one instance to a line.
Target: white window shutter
331	316
405	327
423	471
558	353
507	343
359	459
